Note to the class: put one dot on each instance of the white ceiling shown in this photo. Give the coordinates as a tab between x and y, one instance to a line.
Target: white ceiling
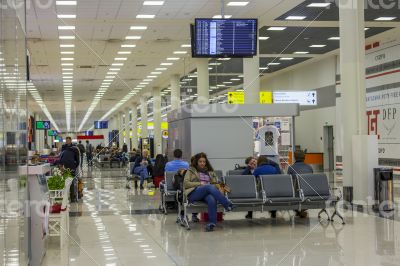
101	28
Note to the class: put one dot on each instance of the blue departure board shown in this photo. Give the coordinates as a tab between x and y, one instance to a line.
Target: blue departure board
224	38
100	124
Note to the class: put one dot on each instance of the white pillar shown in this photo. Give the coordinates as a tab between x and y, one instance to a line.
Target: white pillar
144	133
121	128
203	82
175	92
352	71
127	128
157	120
251	79
134	126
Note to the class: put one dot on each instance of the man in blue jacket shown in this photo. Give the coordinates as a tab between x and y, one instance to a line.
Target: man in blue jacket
177	163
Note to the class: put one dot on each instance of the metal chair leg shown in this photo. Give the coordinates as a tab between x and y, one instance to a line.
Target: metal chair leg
323	211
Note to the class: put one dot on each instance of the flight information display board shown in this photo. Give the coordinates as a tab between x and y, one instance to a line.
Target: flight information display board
100	124
224	38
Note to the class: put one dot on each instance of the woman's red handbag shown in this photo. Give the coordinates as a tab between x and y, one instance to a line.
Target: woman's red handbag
157	180
204	216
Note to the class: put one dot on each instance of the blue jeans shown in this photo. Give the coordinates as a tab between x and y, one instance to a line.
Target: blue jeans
142	172
210	195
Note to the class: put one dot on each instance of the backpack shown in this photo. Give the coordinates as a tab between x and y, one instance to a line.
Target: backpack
177	181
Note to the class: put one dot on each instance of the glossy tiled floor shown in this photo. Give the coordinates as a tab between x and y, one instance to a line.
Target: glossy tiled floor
116	226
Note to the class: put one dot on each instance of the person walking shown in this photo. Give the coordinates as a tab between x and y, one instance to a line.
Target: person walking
81	152
89	153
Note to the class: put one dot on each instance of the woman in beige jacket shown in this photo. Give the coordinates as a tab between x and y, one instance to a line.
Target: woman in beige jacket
199	184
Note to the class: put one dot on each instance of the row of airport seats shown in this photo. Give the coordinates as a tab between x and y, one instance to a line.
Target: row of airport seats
267	193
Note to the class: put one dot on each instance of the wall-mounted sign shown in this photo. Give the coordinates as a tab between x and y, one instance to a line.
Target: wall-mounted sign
265	97
300	97
42	125
236	97
165	134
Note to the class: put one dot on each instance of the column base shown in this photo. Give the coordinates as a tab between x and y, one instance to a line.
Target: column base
348	194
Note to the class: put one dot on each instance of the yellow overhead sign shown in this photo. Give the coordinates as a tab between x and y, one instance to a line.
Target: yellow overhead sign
265	97
236	97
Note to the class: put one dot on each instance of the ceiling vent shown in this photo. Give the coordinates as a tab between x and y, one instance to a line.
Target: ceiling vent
104	65
162	40
42	65
110	99
132	79
34	39
86	66
114	40
141	65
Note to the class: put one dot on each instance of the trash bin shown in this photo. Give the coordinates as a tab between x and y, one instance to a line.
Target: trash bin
383	189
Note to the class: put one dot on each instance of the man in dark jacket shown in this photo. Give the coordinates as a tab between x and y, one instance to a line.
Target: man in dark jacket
251	164
81	152
69	155
299	168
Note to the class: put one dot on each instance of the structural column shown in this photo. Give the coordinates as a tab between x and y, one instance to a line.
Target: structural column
352	71
203	82
134	125
144	133
175	92
127	128
121	128
251	79
157	120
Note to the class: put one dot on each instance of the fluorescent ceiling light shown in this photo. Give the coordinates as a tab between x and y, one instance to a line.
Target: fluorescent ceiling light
237	3
112	73
235	79
145	16
317	45
63	37
128	45
66	16
67	58
117	64
366	28
161	68
385	18
67	52
114	69
186	45
334	38
227	82
153	3
133	37
147	80
150	77
67	64
276	28
273	64
180	52
124	52
66	3
319	5
286	58
67	69
66	27
120	59
67	45
301	52
155	73
219	16
166	64
263	38
173	58
295	17
144	83
138	28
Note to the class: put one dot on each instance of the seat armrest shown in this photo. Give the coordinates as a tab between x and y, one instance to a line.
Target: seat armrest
301	194
336	189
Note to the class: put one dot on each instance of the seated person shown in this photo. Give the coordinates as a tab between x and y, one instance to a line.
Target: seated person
251	164
266	167
177	163
299	168
143	167
199	186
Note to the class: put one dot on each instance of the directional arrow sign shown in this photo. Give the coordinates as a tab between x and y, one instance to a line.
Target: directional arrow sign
300	97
